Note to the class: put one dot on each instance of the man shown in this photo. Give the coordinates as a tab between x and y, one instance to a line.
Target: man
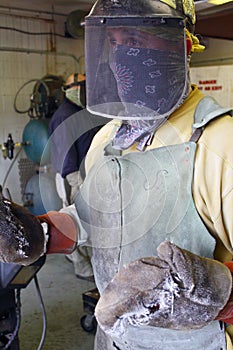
72	130
156	204
67	157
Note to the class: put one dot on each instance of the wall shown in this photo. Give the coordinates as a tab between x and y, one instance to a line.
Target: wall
25	57
212	70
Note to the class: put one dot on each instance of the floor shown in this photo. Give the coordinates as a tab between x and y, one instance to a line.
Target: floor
61	292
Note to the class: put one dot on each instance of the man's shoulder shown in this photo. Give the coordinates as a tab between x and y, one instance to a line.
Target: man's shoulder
217	139
68	107
64	111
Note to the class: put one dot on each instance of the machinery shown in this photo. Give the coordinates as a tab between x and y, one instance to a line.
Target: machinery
44	100
12	279
88	322
45	97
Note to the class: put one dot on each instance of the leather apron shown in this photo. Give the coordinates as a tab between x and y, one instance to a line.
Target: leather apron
127	206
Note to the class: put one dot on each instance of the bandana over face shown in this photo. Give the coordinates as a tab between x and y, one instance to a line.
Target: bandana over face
150	83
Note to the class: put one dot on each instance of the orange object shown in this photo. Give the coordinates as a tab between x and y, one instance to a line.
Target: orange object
62	232
226	314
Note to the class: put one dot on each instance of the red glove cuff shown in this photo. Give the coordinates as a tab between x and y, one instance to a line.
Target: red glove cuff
62	232
188	45
226	314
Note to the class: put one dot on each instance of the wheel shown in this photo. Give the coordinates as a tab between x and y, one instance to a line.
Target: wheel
88	323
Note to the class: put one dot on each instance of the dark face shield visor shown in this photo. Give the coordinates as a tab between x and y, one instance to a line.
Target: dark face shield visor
135	68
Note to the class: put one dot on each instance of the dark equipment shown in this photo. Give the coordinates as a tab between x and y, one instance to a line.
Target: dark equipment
9	146
45	98
12	279
88	322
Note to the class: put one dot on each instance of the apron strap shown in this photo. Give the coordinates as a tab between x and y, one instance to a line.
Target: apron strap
207	109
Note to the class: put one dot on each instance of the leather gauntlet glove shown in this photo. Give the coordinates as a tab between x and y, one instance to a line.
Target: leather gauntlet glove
62	232
22	240
176	290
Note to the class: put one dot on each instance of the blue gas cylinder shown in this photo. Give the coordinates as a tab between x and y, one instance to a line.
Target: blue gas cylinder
41	195
36	141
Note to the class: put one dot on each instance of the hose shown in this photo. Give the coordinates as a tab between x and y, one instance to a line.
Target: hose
21	88
43	313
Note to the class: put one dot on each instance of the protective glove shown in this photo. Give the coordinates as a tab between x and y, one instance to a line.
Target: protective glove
61	231
176	290
25	237
226	314
22	240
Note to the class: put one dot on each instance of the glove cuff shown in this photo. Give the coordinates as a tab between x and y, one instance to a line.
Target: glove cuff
226	314
62	232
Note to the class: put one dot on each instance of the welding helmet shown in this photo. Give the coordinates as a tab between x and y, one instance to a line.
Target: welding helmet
136	62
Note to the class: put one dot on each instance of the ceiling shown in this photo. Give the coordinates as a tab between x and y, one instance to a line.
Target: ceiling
212	20
57	6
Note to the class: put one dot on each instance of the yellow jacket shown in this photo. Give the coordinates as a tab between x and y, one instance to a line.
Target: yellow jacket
213	170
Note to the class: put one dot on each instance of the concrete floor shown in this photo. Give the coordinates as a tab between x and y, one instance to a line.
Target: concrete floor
62	296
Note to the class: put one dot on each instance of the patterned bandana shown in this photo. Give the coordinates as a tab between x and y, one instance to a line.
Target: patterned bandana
136	130
151	85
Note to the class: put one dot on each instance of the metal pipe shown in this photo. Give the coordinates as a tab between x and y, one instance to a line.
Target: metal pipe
41	52
34	11
82	4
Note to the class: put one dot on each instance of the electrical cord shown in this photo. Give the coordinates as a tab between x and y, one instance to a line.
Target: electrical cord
31	33
8	194
43	313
